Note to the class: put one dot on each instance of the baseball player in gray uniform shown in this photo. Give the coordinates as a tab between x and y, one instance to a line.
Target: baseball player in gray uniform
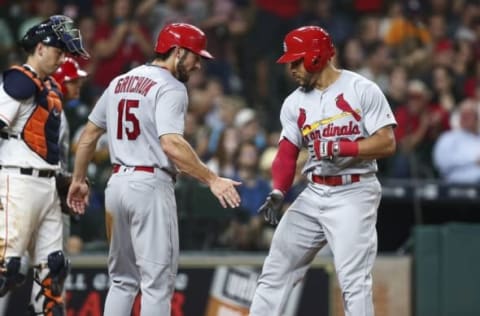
346	123
143	113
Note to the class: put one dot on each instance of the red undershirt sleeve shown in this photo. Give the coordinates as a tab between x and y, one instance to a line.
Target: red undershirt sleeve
284	165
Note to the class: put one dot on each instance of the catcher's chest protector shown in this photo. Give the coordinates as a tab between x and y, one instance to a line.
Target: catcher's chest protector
42	129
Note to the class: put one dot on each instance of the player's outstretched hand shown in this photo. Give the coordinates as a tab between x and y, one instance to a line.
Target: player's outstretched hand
271	207
77	198
224	190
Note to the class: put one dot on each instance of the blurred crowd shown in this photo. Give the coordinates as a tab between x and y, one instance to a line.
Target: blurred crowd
424	55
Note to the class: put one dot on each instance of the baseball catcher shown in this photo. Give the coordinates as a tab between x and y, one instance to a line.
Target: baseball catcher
30	120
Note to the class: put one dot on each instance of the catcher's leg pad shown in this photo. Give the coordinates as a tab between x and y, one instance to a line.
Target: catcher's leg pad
13	273
51	279
59	267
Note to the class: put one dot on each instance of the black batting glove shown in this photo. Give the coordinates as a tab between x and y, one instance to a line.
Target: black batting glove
272	207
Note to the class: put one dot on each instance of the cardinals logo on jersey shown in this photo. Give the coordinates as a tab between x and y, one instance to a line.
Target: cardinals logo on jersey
343	105
302	117
328	127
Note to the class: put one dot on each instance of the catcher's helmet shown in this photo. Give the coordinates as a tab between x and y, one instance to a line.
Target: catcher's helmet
312	43
182	35
68	71
57	31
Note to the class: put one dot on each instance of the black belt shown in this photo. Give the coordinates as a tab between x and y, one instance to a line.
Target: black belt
172	174
8	136
41	173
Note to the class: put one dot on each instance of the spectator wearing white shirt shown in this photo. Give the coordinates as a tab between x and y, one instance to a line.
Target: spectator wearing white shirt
456	153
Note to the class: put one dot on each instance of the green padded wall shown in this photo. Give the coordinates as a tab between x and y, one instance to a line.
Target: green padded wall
447	270
426	271
460	270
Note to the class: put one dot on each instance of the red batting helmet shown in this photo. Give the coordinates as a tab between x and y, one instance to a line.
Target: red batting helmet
182	35
68	71
312	43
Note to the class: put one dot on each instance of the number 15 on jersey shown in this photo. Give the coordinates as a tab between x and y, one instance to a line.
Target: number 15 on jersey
127	121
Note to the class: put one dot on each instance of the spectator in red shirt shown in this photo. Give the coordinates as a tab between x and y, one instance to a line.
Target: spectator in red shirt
120	44
419	124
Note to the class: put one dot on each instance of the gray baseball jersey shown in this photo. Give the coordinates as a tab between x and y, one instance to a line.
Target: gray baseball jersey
351	108
344	214
136	109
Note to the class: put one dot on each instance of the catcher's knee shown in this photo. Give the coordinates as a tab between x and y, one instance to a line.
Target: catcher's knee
13	273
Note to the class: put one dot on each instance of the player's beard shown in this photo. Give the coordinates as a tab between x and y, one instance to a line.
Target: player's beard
308	83
182	72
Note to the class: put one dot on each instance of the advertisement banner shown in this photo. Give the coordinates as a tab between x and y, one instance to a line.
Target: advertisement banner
199	291
233	289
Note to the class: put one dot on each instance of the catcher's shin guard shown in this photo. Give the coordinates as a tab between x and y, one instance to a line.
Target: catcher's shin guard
49	281
13	272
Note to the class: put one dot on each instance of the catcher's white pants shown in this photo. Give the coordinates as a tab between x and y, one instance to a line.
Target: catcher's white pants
30	216
345	217
30	221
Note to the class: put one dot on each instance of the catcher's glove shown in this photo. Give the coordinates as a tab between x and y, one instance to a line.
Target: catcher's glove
272	206
63	179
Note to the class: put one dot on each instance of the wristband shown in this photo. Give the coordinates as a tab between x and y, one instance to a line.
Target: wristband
345	149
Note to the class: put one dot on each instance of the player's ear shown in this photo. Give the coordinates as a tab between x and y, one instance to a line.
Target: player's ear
179	51
40	49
